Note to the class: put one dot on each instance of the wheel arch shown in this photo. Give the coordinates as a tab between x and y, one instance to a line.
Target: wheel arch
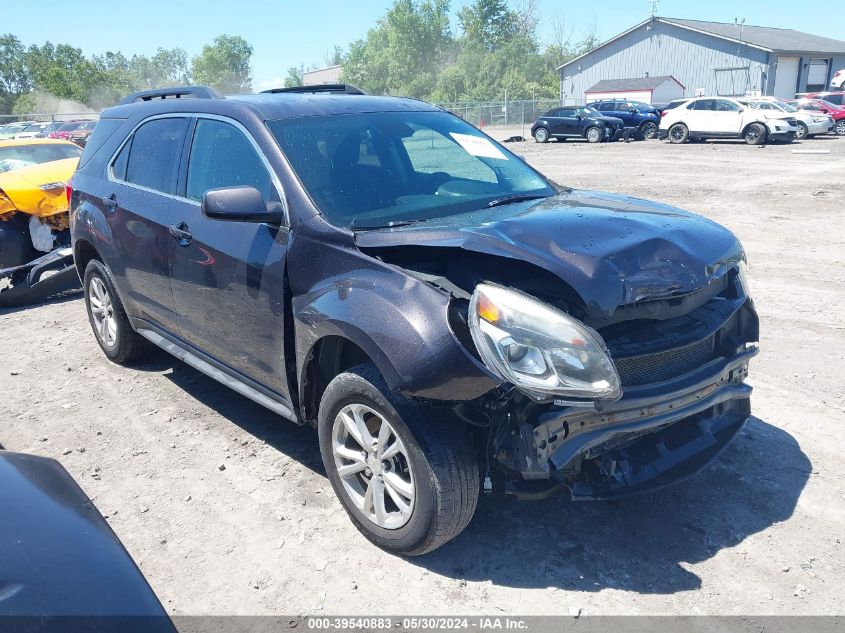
327	358
83	252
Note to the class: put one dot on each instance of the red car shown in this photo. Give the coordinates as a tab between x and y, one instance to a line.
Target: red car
836	112
836	98
77	131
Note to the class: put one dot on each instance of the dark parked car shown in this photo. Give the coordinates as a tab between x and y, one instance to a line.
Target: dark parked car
64	570
576	122
634	114
442	313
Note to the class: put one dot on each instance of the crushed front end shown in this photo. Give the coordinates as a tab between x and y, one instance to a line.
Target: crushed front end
681	362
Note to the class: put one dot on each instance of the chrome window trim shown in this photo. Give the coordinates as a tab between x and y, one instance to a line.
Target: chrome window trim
196	115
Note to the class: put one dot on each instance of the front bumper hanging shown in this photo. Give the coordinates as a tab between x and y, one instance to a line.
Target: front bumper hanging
657	434
39	279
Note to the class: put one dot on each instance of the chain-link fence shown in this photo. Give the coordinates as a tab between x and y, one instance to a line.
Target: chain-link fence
46	117
503	113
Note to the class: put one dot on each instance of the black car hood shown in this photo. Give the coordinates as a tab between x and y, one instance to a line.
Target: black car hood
612	250
62	568
608	119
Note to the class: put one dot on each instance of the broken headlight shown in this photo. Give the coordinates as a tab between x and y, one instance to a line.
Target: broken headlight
538	348
742	273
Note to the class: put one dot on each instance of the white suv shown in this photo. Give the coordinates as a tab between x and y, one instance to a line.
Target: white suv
721	117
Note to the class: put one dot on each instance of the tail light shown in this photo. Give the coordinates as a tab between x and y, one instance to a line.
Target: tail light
69	191
663	114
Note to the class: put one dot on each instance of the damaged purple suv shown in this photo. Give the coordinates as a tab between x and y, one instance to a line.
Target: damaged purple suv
447	317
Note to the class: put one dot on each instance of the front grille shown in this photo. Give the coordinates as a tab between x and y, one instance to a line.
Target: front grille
649	368
792	122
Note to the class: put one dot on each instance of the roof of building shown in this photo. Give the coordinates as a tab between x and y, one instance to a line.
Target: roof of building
630	85
766	38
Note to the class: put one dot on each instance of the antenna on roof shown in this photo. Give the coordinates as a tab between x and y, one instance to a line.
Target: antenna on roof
654	6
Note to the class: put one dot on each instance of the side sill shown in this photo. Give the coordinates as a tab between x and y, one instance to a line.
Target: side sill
282	408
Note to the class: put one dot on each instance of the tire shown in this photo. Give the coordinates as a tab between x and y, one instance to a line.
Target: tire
649	130
434	469
119	342
803	131
755	134
541	135
593	135
678	133
839	127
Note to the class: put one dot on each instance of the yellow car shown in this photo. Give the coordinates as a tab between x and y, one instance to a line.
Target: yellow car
34	217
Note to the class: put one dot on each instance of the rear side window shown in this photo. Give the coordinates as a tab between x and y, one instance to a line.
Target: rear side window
703	104
154	154
105	128
221	156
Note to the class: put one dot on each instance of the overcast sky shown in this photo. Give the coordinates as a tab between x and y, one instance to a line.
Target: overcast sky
286	33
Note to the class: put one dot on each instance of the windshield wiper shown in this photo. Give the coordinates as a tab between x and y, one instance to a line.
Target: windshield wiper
390	225
520	197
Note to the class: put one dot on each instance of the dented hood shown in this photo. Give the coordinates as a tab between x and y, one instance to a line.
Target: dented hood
613	250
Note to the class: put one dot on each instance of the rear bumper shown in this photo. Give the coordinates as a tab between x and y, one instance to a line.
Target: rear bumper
655	435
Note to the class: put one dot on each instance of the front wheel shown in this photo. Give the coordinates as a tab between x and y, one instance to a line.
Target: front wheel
406	476
541	135
839	128
803	131
755	134
594	135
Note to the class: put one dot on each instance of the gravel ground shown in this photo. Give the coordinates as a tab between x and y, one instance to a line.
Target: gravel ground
227	510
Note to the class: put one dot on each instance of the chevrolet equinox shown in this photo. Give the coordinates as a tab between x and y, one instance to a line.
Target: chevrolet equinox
449	319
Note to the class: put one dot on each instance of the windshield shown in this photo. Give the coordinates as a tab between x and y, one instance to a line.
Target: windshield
378	169
18	156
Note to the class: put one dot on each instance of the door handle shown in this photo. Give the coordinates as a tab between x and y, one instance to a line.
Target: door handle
181	233
110	201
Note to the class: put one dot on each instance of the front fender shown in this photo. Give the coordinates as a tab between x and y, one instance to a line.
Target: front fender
401	323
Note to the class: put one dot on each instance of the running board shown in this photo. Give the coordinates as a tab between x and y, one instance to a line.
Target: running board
220	376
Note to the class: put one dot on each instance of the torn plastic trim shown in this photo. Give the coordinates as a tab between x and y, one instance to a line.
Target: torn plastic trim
39	279
563	435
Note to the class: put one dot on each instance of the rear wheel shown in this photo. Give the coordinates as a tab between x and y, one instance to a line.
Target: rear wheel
649	129
108	319
406	476
678	133
839	128
593	135
541	135
755	134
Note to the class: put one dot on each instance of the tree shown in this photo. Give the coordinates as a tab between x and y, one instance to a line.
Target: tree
225	65
335	57
62	71
404	52
294	76
14	79
489	23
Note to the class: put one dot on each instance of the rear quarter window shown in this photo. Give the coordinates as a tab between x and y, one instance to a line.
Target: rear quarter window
102	133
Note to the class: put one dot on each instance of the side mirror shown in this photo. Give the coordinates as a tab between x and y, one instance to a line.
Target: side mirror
633	110
578	116
240	204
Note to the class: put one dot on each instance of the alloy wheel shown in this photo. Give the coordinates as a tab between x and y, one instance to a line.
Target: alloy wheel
373	466
840	127
102	311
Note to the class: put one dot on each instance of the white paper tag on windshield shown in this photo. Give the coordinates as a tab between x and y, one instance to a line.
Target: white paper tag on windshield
478	146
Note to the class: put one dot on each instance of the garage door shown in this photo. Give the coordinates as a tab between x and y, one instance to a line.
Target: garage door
786	79
817	75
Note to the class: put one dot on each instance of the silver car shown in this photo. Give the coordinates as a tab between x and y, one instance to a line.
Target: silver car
809	124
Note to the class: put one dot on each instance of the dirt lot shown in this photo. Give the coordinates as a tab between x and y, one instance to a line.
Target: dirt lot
759	532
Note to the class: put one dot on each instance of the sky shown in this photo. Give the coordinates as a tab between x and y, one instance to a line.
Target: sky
285	33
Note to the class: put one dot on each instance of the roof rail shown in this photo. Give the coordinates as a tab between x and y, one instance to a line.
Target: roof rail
347	89
180	92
